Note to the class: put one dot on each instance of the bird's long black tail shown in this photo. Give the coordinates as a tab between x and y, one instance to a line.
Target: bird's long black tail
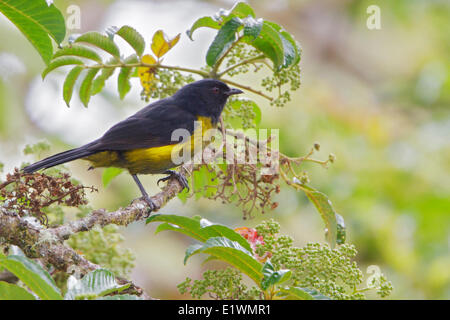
60	158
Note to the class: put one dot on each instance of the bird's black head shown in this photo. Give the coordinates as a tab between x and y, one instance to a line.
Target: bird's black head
205	97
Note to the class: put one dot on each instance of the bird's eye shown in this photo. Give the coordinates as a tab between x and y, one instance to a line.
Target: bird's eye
215	90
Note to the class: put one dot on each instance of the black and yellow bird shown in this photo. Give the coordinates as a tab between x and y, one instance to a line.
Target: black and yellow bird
143	143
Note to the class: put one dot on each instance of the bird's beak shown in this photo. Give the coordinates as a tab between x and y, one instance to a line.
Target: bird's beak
234	91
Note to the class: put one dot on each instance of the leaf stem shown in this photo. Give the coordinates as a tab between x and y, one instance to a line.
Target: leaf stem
250	60
195	71
216	66
260	93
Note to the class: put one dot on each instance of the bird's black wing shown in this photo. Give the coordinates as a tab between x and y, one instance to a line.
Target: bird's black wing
150	127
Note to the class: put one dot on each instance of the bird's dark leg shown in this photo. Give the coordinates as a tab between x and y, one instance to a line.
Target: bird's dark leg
145	196
174	174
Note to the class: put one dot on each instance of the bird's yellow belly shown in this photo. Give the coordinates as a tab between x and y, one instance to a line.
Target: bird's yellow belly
147	160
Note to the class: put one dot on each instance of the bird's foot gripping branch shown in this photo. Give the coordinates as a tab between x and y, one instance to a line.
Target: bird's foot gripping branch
63	255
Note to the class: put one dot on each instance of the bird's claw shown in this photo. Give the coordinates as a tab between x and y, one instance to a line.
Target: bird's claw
180	177
151	204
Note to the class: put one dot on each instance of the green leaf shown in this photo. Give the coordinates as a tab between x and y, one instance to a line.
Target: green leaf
221	18
101	41
258	114
123	80
109	174
252	27
192	249
295	46
200	230
133	38
290	46
242	10
79	51
241	116
326	210
37	21
270	43
272	277
69	83
298	293
341	232
105	74
223	40
208	22
204	177
234	254
183	195
33	275
99	82
86	86
224	231
59	62
97	283
189	226
10	291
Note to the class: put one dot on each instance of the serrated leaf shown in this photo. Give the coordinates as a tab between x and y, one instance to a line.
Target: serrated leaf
97	283
59	62
33	275
232	253
86	86
69	83
123	80
134	39
99	82
79	51
298	293
161	44
37	21
223	40
100	41
109	174
208	22
10	291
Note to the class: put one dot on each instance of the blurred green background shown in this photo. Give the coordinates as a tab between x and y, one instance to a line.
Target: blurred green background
378	99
